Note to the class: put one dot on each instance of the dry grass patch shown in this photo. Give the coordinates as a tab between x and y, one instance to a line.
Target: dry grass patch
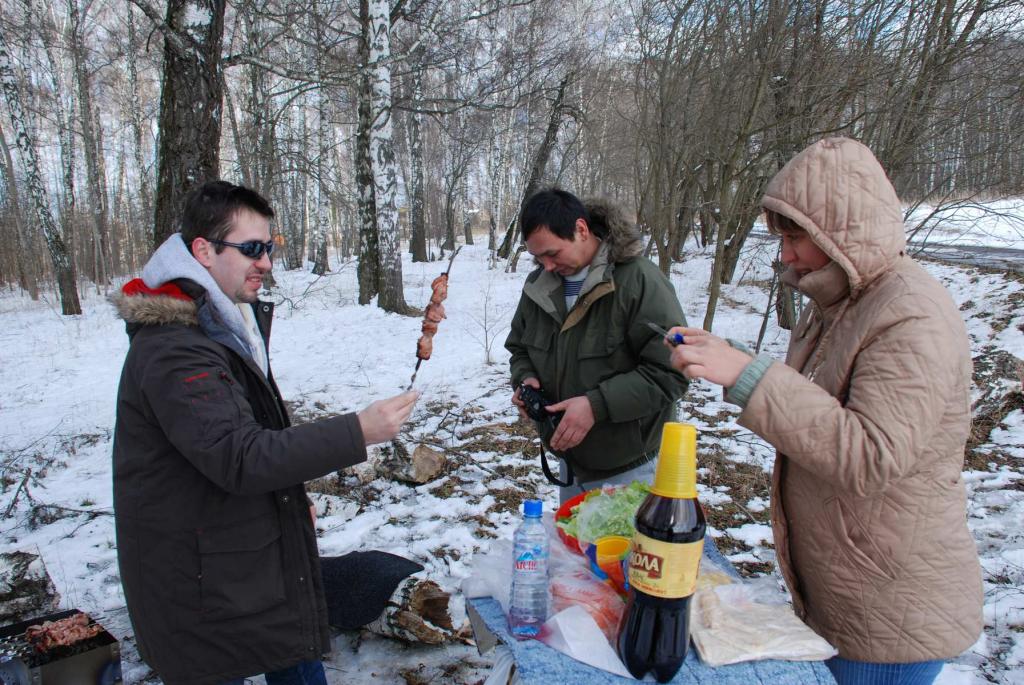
444	489
743	481
506	500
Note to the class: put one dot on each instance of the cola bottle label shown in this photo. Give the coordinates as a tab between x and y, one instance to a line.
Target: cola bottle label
664	569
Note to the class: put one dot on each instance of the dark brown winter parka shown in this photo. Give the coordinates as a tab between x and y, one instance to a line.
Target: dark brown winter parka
216	546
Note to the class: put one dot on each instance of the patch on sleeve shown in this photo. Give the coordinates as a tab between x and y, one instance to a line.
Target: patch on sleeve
204	389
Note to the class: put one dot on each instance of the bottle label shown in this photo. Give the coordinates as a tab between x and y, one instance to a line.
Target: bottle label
527	565
531	561
664	569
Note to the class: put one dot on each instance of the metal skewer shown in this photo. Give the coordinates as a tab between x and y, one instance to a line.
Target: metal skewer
418	360
414	372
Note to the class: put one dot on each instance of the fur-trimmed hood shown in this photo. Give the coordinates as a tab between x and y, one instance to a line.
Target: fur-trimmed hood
620	233
157	298
140	305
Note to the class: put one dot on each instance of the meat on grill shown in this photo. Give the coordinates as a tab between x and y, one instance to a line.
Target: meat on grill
62	633
432	316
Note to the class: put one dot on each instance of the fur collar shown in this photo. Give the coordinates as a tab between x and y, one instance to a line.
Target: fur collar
138	304
622	236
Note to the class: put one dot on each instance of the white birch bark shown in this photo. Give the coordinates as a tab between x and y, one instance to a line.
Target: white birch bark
369	264
138	136
323	217
417	199
95	169
382	156
26	274
65	130
63	267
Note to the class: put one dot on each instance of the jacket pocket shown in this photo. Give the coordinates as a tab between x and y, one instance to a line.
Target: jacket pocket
241	569
856	541
538	337
603	354
593	347
538	341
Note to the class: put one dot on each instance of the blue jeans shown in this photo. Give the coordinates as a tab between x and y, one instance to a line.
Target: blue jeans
847	672
305	673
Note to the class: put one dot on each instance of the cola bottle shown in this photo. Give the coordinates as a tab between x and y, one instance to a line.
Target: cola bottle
664	560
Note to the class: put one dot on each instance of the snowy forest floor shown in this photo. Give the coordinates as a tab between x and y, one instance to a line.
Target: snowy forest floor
59	379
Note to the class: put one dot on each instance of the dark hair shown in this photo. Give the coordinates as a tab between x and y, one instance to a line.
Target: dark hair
554	208
780	223
210	210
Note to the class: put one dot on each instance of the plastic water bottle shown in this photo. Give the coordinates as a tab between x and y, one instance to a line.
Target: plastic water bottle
528	600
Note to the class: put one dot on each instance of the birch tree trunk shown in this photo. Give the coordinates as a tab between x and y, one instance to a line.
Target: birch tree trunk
138	136
66	133
63	266
467	224
715	285
344	216
94	168
190	104
498	174
26	276
369	263
540	162
323	198
382	155
493	198
451	180
417	215
302	185
241	146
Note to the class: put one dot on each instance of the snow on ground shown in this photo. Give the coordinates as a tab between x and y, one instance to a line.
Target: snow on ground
998	223
59	379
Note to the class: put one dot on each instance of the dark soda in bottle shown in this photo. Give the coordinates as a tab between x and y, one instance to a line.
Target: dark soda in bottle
663	563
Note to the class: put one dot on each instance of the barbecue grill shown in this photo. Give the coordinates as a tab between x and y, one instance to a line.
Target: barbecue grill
95	660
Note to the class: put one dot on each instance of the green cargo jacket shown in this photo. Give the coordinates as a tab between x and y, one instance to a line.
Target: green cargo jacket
603	349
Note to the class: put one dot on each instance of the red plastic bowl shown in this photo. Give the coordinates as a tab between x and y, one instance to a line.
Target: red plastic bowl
564	512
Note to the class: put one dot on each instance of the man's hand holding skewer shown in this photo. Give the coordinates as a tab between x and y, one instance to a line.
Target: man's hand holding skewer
382	419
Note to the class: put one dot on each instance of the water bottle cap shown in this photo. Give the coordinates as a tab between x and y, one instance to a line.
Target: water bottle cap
532	508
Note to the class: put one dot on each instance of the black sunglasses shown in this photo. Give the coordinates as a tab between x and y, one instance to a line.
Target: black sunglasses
253	249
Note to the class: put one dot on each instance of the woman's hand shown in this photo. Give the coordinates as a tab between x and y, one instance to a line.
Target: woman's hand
703	355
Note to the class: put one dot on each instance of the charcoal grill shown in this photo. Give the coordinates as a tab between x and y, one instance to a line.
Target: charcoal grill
93	661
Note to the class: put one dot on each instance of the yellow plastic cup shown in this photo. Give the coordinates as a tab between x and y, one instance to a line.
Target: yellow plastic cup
611	549
676	473
606	554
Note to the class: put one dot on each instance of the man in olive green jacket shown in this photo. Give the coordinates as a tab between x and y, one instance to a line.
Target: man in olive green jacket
580	333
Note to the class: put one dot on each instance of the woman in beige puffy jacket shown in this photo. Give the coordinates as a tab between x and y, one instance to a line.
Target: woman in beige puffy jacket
869	415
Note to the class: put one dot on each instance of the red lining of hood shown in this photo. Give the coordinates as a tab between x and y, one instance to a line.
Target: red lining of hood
137	286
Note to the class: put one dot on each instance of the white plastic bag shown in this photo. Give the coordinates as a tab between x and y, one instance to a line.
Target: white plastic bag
746	621
574	632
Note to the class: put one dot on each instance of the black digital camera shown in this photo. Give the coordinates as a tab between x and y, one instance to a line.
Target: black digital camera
534	403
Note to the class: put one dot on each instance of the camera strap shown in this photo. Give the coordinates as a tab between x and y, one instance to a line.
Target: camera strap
552	478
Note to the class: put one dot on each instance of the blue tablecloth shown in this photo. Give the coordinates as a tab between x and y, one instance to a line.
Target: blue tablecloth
538	664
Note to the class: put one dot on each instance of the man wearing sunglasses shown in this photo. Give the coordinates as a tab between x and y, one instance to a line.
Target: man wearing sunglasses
216	545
